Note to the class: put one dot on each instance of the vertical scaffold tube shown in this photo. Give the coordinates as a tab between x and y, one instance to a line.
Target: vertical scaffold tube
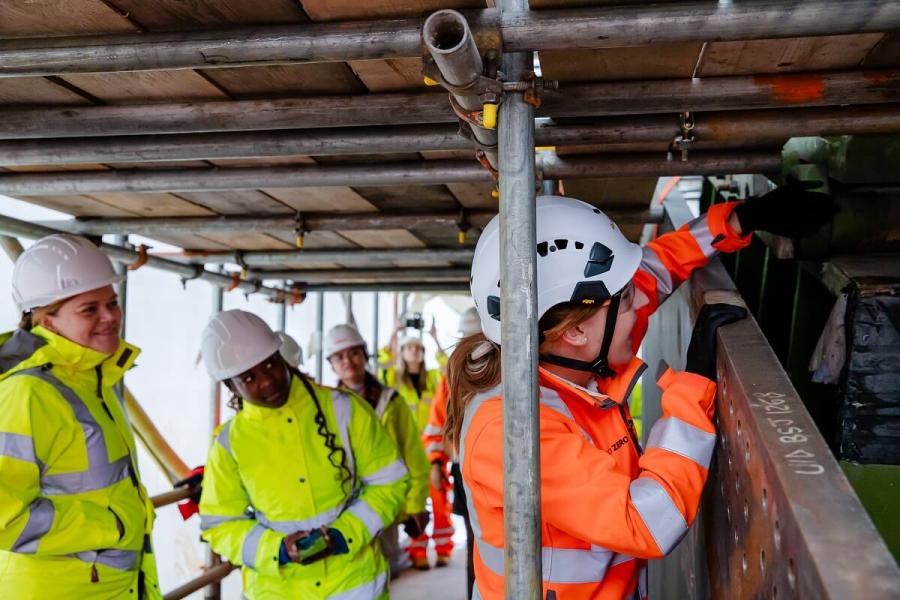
320	336
519	335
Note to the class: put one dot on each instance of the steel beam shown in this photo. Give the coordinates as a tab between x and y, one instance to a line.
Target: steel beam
733	126
154	226
18	228
426	172
731	93
585	28
395	274
519	335
775	480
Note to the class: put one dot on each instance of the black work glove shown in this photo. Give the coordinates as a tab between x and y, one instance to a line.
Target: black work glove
415	525
790	210
701	353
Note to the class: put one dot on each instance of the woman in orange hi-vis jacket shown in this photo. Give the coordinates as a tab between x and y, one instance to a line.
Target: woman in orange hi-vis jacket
607	505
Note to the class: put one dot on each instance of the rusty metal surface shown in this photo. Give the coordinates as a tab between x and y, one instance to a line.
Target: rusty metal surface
779	519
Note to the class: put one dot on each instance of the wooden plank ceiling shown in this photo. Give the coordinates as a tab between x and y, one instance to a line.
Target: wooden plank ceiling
43	18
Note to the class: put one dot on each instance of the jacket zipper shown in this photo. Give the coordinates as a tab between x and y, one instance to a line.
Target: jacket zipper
132	474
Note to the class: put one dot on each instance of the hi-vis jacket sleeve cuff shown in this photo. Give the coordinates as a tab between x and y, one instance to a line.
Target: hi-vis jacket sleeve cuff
689	397
385	356
261	549
724	238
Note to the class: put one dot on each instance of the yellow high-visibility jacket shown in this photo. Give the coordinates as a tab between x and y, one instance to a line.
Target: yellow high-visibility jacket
68	470
419	403
268	475
403	429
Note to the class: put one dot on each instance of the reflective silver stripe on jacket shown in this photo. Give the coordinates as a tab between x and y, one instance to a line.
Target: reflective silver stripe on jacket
288	527
124	560
552	400
223	438
387	475
699	229
433	430
366	591
659	512
18	446
100	472
343	410
682	438
210	521
365	513
251	545
558	565
40	520
651	263
434	447
383	400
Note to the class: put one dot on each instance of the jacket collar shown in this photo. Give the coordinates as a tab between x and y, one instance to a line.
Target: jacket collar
610	391
296	396
22	349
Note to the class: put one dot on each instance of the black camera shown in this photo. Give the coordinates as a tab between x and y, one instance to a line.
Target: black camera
415	321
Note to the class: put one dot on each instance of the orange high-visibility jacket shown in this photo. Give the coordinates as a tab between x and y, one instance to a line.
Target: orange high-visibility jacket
606	505
433	437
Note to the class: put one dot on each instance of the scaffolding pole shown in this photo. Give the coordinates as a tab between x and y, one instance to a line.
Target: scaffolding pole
586	28
395	274
375	322
19	228
122	287
214	589
728	93
320	336
521	450
709	127
424	172
312	221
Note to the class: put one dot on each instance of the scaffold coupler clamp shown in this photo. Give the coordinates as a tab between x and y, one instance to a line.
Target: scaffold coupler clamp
684	142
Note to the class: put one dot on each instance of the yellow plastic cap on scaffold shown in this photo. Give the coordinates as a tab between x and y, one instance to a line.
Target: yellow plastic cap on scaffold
489	116
429	81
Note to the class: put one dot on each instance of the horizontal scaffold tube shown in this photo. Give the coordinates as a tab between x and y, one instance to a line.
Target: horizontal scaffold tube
582	28
732	126
395	274
19	228
154	226
730	93
426	172
299	258
388	286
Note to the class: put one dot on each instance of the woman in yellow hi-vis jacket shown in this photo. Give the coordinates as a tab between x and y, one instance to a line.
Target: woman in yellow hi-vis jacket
345	350
418	386
301	481
75	520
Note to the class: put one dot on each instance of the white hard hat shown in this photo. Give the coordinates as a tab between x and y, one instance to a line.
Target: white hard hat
341	337
407	339
235	341
58	267
469	322
581	257
290	350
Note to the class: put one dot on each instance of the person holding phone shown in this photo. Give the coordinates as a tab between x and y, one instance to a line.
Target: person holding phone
299	484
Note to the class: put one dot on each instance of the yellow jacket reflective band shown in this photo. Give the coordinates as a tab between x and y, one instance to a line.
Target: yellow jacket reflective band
268	475
402	427
67	473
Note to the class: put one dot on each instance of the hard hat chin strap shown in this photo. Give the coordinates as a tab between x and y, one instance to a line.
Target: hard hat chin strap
600	365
